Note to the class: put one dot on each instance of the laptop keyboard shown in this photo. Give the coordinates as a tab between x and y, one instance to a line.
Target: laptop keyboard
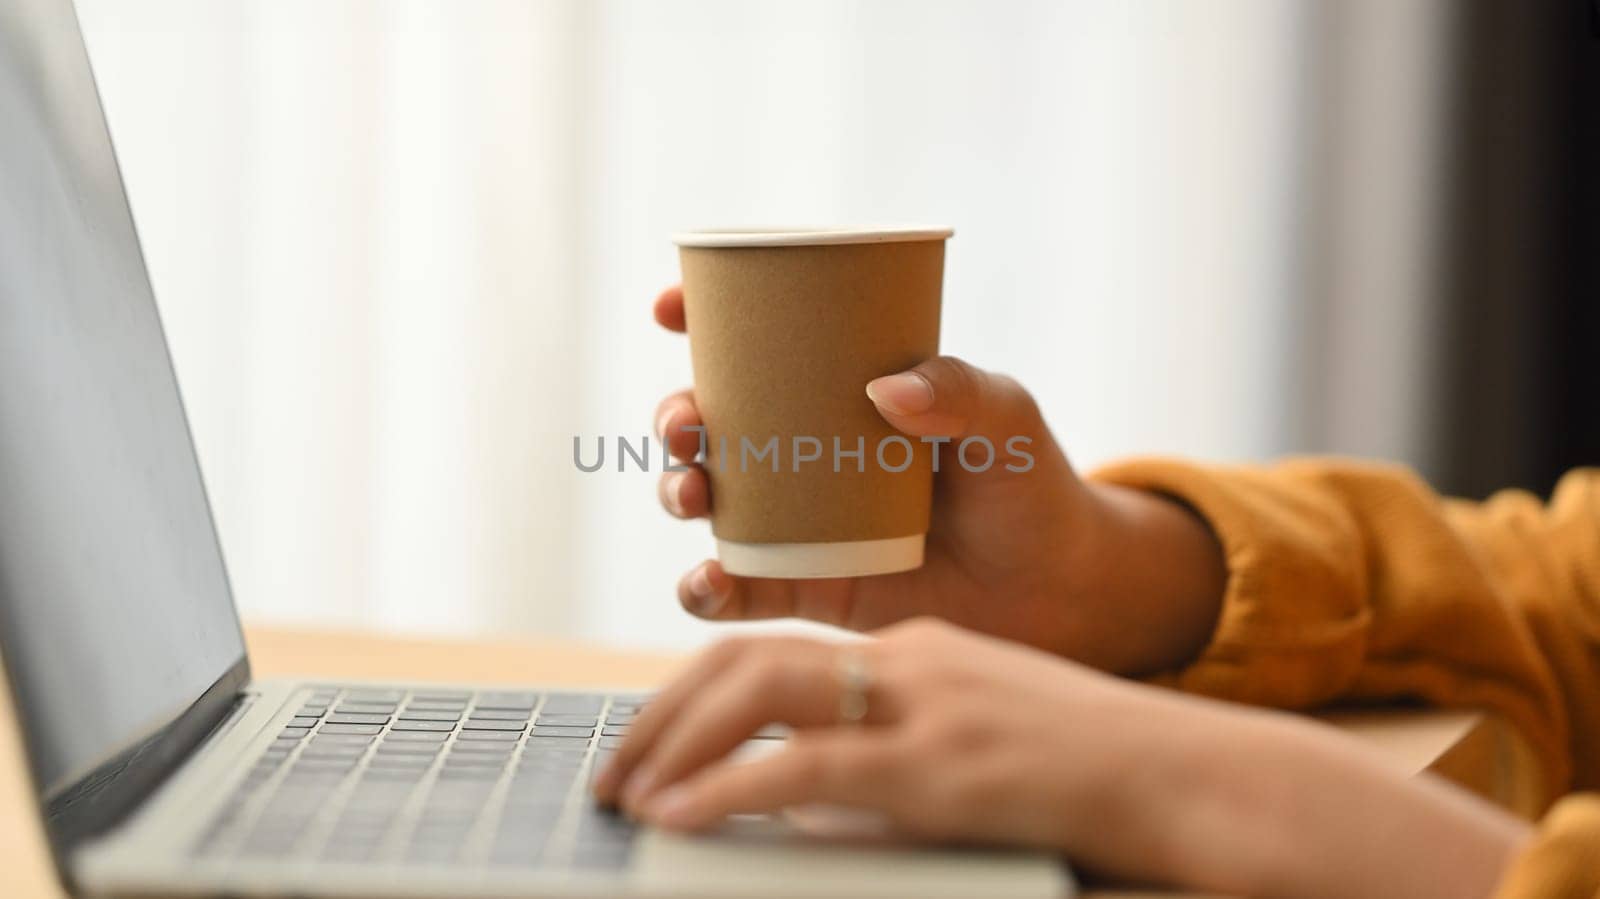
432	777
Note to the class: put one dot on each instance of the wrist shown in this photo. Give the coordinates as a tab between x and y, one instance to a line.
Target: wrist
1265	804
1164	569
1182	801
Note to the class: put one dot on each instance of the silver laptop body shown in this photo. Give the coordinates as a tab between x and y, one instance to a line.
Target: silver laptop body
160	767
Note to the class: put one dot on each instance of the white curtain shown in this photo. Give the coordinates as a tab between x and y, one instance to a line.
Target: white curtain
405	252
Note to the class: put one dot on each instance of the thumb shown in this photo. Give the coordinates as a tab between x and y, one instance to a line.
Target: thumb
947	397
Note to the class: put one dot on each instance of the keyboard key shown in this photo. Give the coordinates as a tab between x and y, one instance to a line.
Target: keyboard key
408	752
435	845
346	718
401	772
345	851
350	729
603	826
415	714
568	732
443	705
492	724
365	708
305	779
482	748
341	740
531	798
441	696
293	733
463	772
507	700
541	741
614	731
479	759
519	853
413	736
374	696
302	721
312	710
523	821
476	760
567	720
314	765
489	736
541	780
434	851
391	771
600	858
399	760
437	726
333	750
502	714
536	769
555	748
571	704
267	847
610	742
390	747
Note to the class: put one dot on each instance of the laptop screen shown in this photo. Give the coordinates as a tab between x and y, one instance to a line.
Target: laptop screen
115	612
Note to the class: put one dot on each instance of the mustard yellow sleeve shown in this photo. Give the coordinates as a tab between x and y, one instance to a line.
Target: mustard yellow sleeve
1563	861
1356	581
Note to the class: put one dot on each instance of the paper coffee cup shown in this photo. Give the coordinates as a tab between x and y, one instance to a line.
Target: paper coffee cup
786	327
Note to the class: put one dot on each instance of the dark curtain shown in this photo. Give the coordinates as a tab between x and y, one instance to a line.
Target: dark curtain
1521	258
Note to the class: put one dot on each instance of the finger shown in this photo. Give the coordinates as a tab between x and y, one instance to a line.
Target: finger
845	767
709	592
780	680
948	397
659	710
685	494
669	309
674	416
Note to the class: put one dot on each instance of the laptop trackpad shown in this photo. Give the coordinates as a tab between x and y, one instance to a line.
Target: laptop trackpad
831	851
766	857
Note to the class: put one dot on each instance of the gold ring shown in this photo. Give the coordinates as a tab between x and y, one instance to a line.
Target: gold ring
854	680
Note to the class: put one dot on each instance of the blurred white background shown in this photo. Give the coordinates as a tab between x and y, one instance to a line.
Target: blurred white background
405	252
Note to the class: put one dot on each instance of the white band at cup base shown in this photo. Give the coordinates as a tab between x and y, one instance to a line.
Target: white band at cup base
807	560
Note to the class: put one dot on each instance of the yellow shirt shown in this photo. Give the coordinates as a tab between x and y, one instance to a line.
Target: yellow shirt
1356	581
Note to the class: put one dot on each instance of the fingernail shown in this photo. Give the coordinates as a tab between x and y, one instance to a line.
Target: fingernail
664	422
907	393
673	809
674	493
706	598
638	786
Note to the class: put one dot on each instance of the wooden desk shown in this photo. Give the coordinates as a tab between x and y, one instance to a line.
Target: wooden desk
1463	746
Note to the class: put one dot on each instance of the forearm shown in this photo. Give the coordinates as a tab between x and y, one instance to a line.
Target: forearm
1262	804
1351	580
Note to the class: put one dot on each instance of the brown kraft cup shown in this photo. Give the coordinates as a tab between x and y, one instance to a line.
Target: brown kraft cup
786	327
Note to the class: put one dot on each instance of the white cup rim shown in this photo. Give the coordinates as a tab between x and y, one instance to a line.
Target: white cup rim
850	558
812	236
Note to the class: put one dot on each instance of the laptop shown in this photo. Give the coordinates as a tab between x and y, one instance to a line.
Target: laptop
160	766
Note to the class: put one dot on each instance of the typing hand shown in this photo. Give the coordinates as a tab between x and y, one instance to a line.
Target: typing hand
958	737
1038	556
